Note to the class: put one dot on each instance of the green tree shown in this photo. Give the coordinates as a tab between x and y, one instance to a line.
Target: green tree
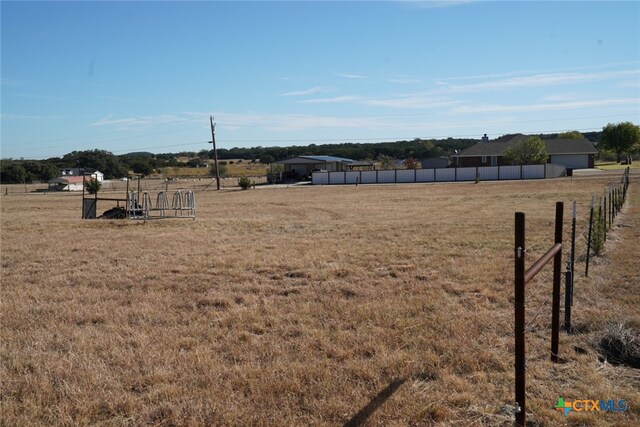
205	154
102	160
621	138
142	166
12	173
531	151
48	171
267	159
92	186
386	162
574	134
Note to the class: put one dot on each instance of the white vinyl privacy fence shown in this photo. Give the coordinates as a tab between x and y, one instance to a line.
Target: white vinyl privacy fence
483	173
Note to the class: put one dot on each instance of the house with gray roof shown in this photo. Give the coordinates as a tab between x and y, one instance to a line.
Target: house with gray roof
572	153
301	167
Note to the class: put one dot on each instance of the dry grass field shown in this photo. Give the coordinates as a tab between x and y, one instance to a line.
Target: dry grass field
298	306
235	168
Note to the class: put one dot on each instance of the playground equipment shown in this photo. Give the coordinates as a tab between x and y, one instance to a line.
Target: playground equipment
139	205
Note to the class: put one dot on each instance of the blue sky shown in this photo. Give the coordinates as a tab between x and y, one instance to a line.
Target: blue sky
146	76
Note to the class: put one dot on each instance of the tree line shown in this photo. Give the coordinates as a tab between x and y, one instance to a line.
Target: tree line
613	140
28	171
416	148
116	166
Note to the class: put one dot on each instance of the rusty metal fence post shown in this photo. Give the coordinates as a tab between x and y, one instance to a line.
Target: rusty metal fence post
568	291
521	277
519	284
557	280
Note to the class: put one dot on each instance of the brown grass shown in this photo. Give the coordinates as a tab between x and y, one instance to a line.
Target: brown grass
298	306
235	168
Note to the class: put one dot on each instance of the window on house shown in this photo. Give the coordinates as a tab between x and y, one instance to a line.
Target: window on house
484	159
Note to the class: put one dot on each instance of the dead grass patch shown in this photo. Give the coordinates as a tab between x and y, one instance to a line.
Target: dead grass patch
297	306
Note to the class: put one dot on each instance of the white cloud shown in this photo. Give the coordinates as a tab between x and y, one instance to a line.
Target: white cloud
311	91
497	108
412	101
404	81
138	123
334	100
557	97
351	76
537	80
443	80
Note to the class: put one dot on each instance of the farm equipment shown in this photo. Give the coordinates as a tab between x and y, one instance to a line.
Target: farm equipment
139	205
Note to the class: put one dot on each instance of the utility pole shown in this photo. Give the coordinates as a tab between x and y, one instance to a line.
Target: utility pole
215	151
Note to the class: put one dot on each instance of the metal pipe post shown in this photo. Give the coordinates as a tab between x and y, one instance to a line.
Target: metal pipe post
557	279
604	218
586	267
573	245
215	151
610	208
519	285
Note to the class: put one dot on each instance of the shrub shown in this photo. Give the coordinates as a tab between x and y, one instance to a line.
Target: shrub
267	159
244	183
621	345
222	168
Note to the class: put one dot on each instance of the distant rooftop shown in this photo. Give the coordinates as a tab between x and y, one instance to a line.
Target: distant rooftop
316	159
554	146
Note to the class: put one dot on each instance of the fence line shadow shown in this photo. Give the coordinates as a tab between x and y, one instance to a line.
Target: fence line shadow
364	413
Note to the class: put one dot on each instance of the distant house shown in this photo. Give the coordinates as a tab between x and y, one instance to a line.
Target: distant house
301	167
68	183
68	172
572	153
361	165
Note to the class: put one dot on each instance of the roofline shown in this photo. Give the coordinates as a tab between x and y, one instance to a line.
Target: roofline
316	159
561	154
